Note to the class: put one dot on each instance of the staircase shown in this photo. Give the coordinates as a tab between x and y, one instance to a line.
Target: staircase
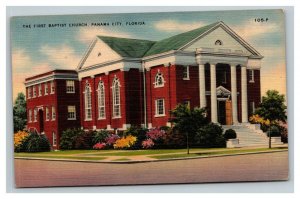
249	135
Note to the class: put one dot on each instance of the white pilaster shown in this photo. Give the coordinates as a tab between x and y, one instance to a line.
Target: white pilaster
202	85
233	94
244	95
213	91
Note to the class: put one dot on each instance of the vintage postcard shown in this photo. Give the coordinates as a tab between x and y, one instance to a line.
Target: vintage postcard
149	98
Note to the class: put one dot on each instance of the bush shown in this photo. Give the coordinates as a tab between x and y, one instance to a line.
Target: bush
111	139
173	139
274	131
99	146
100	136
125	142
19	139
165	128
210	135
84	140
148	144
230	134
35	143
139	133
68	137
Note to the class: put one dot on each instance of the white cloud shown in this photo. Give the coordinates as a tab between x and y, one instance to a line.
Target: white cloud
86	35
23	67
62	56
254	29
175	26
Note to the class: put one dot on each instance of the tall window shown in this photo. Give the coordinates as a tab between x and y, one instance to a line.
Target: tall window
251	75
252	107
53	113
159	107
35	114
116	98
54	139
46	88
40	89
159	80
224	80
71	113
70	86
52	87
88	102
29	92
34	91
47	114
186	72
30	115
101	100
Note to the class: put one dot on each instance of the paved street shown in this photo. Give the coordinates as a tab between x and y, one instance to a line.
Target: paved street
255	167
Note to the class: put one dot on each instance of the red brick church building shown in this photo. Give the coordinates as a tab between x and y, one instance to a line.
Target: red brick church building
122	82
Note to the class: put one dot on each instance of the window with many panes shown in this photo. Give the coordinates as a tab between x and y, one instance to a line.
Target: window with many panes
35	114
53	111
101	100
52	87
34	91
186	72
29	92
40	89
70	86
251	75
88	102
159	107
159	80
30	115
71	113
116	98
47	114
46	89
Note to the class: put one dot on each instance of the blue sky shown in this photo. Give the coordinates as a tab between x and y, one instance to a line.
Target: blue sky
36	50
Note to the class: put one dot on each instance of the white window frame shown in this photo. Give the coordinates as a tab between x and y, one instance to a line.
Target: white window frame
29	115
72	112
88	102
251	74
157	114
186	70
252	105
34	91
101	100
158	76
29	93
52	87
40	90
35	112
53	113
70	86
46	89
116	87
54	139
47	114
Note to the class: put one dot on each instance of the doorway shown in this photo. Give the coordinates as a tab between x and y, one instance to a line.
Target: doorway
41	120
222	112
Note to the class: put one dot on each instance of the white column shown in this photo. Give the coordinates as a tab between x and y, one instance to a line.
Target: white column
202	85
233	94
244	95
213	93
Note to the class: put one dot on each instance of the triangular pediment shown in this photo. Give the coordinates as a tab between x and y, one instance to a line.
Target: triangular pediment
223	91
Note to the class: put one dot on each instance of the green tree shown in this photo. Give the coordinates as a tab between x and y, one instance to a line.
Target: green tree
19	112
272	107
187	121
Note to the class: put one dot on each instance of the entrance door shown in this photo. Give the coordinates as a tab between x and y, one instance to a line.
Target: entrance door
41	120
228	112
222	111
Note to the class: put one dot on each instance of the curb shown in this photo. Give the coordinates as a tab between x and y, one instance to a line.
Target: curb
145	161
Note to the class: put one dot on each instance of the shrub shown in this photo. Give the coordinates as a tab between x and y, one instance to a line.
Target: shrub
100	136
148	143
173	139
155	134
68	137
84	140
230	134
19	139
125	142
139	133
35	143
165	128
111	139
99	146
210	136
274	131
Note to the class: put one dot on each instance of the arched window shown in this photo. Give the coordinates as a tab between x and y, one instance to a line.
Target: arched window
101	100
116	98
218	43
159	80
88	102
